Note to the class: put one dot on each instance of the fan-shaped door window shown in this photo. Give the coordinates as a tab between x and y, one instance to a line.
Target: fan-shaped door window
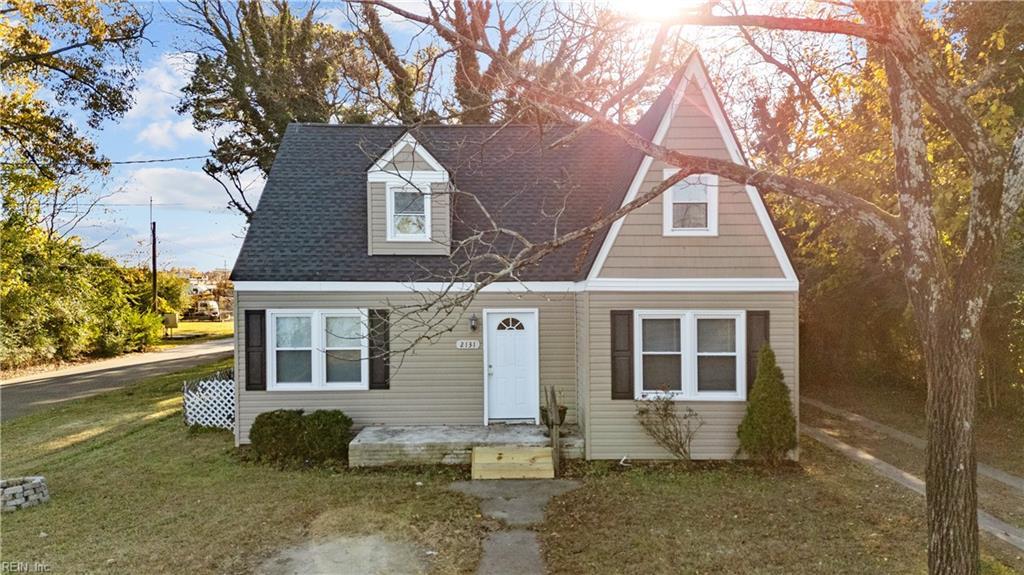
510	323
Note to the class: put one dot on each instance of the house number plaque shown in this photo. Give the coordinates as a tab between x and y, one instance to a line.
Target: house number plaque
467	344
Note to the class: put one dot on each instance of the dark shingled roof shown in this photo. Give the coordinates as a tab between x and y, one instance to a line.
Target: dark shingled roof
311	221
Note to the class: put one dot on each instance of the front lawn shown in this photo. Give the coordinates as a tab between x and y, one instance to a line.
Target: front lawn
133	491
998	436
832	516
997	498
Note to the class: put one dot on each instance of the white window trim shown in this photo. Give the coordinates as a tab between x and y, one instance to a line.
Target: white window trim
428	199
710	182
688	344
318	320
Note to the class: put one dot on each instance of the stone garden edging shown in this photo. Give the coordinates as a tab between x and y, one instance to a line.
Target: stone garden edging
22	492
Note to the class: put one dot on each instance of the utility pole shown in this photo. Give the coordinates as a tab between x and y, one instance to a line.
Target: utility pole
152	240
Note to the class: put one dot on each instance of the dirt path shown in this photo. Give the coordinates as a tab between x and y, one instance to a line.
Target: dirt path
987	470
987	522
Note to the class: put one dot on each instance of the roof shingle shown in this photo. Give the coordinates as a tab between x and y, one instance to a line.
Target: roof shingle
310	224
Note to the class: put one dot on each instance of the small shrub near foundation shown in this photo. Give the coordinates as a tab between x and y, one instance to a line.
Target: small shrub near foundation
768	430
670	429
327	433
288	437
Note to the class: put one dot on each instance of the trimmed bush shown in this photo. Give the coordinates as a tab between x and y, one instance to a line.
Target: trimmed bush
768	430
275	435
287	436
327	433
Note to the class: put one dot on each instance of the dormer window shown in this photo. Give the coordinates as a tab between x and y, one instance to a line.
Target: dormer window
408	213
408	205
691	206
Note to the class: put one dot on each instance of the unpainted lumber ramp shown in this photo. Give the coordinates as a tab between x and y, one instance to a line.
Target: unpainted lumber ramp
512	462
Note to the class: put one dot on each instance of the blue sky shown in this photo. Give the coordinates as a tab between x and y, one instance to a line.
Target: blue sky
195	227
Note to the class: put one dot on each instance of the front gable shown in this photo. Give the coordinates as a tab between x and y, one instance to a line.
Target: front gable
738	240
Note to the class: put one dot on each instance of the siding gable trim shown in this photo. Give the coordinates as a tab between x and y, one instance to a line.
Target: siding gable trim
696	71
407	140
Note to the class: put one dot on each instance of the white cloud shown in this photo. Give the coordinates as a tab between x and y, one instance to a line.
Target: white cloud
166	134
160	87
397	23
176	188
336	17
392	22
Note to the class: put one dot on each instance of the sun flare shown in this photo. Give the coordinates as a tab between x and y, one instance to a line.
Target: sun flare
653	10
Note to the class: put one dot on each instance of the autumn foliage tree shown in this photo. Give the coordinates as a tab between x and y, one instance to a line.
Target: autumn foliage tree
56	57
948	289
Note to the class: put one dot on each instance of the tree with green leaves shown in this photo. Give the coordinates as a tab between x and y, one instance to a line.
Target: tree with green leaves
855	308
948	280
258	70
84	53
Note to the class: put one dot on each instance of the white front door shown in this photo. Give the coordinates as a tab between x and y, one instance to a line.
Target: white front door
513	390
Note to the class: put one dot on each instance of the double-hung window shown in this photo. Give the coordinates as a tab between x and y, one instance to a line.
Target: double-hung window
690	355
318	349
691	206
408	214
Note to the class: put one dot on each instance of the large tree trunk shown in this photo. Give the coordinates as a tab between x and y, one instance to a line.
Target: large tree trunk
951	357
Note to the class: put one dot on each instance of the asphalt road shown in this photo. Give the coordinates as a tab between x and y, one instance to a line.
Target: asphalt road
22	395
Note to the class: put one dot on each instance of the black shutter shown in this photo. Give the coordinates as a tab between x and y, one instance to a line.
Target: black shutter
255	350
622	354
380	348
757	336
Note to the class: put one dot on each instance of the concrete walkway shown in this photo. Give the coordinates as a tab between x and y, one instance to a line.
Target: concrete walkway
519	503
22	395
988	523
999	475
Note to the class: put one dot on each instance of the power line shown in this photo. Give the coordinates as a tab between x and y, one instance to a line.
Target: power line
124	162
158	160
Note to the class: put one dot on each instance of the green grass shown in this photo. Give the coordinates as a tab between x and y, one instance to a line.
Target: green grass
134	491
830	516
998	499
998	437
202	330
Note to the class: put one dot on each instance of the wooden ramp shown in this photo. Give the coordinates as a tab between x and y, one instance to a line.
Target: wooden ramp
512	462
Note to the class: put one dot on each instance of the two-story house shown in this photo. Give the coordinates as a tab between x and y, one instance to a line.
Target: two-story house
358	223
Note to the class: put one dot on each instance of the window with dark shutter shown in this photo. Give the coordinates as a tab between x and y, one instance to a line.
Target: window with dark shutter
380	348
622	354
255	350
757	336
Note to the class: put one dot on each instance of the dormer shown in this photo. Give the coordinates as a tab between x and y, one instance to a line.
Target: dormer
408	202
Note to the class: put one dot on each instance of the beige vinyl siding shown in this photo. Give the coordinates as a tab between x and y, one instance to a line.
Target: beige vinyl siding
741	248
408	158
432	384
612	430
377	223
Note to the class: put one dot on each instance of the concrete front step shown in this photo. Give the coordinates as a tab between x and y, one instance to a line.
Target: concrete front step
380	445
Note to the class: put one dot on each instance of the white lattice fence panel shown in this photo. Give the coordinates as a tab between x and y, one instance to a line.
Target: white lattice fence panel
210	403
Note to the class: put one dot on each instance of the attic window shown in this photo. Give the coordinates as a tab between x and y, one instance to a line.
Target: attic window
408	212
691	206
